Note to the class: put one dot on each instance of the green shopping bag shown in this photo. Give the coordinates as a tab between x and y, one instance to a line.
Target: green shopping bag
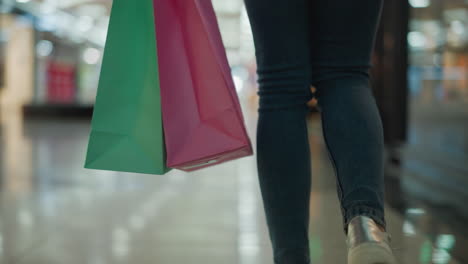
126	129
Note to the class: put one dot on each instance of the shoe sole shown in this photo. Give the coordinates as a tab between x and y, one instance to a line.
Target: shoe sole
370	253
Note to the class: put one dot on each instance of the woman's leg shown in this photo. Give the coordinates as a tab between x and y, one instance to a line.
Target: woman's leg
343	35
281	36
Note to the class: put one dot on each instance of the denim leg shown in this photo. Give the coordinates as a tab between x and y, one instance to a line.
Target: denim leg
281	37
353	134
343	35
284	171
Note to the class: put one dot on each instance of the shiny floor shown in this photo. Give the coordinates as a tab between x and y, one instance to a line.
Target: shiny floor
52	211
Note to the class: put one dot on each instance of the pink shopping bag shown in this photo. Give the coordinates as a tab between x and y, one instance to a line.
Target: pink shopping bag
202	117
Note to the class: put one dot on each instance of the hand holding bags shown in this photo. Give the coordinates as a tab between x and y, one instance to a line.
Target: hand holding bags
166	98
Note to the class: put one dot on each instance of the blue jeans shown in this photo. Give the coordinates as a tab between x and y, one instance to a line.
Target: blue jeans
327	44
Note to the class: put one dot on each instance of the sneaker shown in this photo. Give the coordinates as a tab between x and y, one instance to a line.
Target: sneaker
367	243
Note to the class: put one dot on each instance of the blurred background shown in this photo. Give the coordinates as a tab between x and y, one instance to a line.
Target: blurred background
53	211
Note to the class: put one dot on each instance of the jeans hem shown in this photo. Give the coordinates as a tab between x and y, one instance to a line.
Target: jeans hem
360	209
299	255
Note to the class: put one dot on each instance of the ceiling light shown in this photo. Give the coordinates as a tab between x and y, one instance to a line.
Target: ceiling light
420	3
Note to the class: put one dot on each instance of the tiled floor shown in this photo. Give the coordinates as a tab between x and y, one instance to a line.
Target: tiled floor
52	211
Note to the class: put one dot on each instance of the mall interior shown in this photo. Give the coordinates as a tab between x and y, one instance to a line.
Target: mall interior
54	211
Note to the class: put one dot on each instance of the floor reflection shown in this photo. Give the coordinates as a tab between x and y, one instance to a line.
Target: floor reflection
54	211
